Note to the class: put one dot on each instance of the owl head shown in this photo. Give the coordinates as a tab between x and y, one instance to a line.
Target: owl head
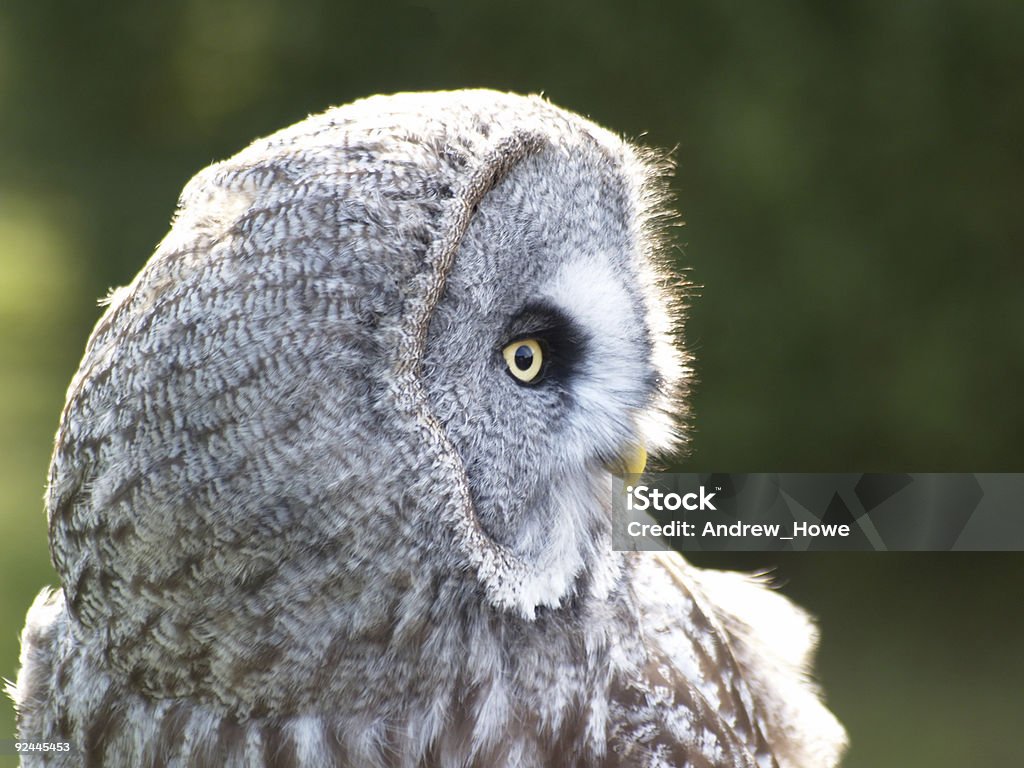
379	368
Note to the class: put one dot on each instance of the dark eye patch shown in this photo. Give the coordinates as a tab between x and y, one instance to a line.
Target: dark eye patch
561	339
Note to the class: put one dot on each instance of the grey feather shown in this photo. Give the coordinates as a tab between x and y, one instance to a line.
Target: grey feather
303	515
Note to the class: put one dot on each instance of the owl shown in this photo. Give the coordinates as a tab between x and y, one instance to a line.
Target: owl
332	484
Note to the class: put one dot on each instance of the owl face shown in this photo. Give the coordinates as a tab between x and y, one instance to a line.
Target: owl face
547	356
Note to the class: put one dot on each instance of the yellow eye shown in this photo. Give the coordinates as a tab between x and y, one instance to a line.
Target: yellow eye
524	359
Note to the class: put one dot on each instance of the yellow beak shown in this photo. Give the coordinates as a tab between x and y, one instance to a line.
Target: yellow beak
636	461
632	462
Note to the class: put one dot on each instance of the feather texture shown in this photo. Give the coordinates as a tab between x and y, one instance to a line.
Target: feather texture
303	514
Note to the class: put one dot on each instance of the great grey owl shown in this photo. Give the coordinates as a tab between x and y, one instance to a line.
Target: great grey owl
331	486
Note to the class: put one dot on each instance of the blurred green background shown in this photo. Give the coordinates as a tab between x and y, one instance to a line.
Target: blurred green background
850	174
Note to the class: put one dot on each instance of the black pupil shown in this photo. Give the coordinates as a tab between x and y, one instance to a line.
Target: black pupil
524	357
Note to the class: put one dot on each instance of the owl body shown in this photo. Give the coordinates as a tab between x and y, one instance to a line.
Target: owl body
307	510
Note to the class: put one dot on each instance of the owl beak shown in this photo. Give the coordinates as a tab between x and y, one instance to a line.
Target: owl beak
631	462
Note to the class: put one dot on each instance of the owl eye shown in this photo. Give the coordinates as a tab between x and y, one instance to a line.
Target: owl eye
524	359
